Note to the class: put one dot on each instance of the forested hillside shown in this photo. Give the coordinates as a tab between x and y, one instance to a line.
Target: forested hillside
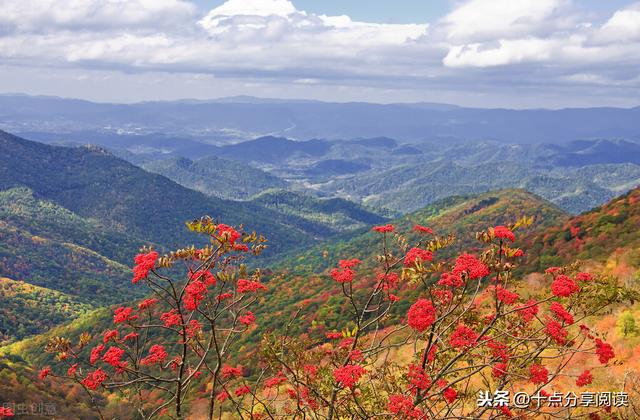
21	389
608	232
94	184
301	277
337	214
20	208
319	210
216	177
27	309
47	245
455	215
412	185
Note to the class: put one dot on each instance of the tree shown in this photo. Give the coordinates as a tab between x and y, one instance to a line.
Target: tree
627	323
470	329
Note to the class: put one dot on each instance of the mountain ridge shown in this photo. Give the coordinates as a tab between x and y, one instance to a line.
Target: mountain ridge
250	98
216	176
410	122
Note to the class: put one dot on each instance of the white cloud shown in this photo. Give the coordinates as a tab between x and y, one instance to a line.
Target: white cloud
623	26
254	38
47	15
259	21
505	52
489	33
538	32
479	20
255	8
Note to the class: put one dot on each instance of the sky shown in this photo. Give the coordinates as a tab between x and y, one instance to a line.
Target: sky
482	53
380	11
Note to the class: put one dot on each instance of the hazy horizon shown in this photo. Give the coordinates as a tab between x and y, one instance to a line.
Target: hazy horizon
297	99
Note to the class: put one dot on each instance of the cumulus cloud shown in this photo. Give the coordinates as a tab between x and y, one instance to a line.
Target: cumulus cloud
254	8
480	20
254	37
488	33
537	32
259	21
624	26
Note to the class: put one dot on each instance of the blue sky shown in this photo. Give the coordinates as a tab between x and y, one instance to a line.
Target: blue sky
485	53
383	11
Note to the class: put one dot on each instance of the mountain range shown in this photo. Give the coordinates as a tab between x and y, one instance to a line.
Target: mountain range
246	118
393	159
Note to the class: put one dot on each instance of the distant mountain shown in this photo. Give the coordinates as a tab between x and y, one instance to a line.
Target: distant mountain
333	167
576	175
583	153
216	176
247	118
413	185
95	184
380	142
274	149
230	179
383	173
136	148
